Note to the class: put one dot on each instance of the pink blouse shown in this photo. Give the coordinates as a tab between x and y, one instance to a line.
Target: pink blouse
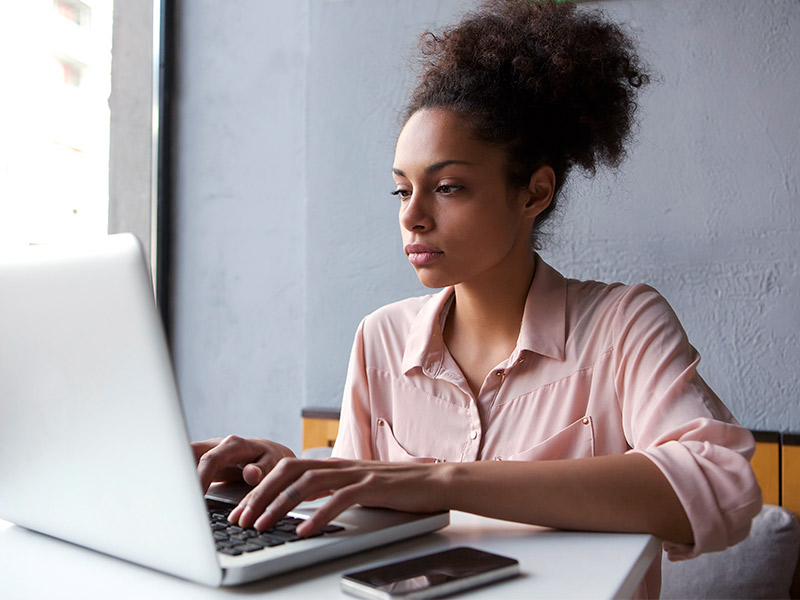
598	369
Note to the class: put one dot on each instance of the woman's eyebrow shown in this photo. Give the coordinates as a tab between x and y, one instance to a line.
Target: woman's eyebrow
434	167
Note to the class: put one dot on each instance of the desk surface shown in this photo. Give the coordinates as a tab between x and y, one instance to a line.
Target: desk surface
554	564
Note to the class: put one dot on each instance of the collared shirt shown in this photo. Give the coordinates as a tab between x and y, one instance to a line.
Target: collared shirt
597	370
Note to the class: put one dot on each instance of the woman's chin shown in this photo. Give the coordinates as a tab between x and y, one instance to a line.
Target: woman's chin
432	280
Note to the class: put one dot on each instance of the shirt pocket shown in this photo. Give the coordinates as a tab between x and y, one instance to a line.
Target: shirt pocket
574	441
388	448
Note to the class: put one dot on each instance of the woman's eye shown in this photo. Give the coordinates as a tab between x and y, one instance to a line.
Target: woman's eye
403	194
447	188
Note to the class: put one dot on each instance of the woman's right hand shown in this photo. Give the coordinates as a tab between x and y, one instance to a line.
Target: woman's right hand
234	459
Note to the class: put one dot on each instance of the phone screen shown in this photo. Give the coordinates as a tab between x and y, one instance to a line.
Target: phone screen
450	570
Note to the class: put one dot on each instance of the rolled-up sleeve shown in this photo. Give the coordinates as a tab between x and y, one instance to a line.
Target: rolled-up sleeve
673	418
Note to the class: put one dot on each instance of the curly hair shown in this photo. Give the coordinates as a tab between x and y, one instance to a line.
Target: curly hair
551	84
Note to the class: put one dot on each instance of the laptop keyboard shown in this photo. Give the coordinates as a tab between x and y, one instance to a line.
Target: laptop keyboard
234	540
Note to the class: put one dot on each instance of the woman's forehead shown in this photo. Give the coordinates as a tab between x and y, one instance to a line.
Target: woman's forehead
434	136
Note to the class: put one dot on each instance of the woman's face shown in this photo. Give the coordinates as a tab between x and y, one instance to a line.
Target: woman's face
460	222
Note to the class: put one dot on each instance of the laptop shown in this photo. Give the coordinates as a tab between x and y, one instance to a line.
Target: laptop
93	444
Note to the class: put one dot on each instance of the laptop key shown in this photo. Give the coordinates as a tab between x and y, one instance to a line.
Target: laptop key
313	535
226	544
234	540
284	535
268	540
250	547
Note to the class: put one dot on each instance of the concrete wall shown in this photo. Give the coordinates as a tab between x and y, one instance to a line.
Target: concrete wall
707	209
240	186
288	235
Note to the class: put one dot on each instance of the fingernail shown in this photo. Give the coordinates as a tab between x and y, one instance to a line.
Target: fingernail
245	517
262	522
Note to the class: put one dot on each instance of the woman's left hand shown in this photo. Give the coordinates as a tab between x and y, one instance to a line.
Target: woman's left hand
401	486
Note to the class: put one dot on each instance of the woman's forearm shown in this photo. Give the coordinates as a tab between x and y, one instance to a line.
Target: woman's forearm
625	493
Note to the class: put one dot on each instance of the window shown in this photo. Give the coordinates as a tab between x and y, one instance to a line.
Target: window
71	71
76	12
55	121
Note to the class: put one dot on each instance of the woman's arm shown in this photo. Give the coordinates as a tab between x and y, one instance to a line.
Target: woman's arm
623	493
613	493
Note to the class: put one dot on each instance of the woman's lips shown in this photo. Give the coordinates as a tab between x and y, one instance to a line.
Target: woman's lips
421	255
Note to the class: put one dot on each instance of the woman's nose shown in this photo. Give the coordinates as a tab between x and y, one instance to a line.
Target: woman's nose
415	214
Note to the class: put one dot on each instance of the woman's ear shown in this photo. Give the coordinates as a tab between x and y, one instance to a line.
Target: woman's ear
540	190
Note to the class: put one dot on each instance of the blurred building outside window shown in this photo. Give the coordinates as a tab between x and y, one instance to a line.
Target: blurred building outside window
54	119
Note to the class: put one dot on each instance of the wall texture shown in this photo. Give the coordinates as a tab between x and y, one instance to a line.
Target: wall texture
240	235
707	208
288	234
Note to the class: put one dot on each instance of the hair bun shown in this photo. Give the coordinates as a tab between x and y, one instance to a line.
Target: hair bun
554	83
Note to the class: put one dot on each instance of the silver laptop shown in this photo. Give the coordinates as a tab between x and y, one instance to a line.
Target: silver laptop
93	444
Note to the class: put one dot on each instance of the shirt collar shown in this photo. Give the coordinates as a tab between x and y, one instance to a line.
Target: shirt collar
543	329
425	343
544	321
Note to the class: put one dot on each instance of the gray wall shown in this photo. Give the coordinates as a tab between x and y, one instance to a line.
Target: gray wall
239	296
707	207
288	235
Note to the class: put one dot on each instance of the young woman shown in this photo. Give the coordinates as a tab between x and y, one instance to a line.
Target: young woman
514	392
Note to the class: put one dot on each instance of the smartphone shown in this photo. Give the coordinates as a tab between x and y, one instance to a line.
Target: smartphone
430	576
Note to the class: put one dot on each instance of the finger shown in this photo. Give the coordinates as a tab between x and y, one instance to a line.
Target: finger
252	505
200	448
236	513
229	452
253	474
269	456
340	501
318	495
284	474
288	499
234	517
310	484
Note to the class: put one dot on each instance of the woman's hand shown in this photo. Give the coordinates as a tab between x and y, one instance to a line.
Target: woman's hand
234	459
402	486
623	493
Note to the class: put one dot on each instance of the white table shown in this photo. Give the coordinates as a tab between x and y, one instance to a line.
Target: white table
554	564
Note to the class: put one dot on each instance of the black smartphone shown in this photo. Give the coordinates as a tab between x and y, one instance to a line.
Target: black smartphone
430	576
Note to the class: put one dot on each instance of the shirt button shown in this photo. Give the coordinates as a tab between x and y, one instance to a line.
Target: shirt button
585	421
381	422
499	373
473	435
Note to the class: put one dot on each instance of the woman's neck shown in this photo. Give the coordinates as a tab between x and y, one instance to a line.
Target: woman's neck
484	322
494	305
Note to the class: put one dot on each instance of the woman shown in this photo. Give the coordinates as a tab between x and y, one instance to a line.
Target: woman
514	392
